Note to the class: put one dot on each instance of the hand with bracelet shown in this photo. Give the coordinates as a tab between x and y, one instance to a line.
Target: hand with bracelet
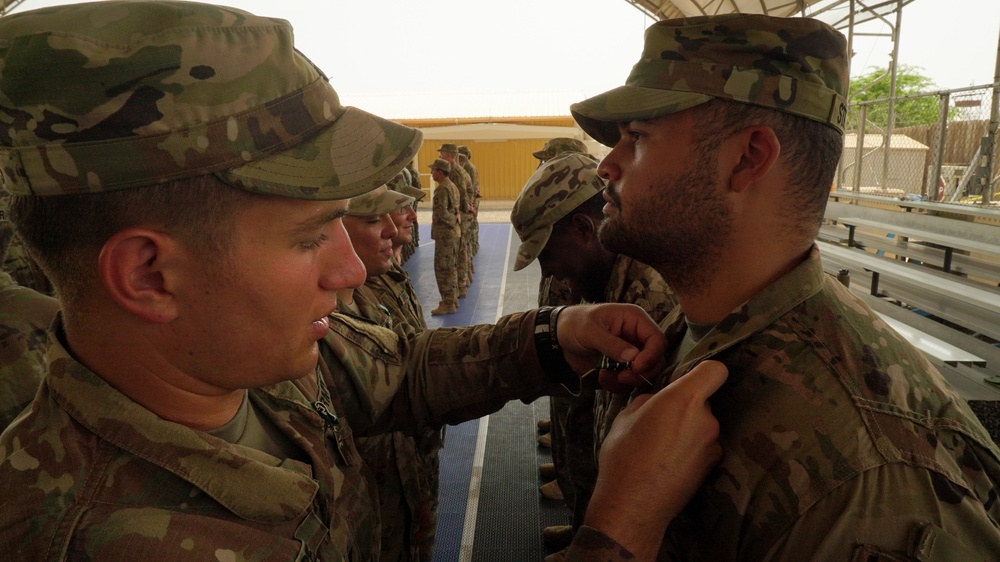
573	340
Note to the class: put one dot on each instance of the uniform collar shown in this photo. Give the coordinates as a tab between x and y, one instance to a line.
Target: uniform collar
801	283
279	490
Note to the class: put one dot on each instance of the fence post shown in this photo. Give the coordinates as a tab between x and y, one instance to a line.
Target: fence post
859	146
934	178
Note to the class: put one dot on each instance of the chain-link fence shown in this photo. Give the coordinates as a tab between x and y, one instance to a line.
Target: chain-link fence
934	147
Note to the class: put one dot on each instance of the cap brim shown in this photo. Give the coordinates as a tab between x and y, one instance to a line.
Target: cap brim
600	115
416	194
530	248
386	203
354	155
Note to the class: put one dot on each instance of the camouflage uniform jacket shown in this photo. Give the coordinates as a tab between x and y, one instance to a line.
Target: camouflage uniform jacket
470	169
463	182
89	474
394	290
392	456
25	316
444	216
632	282
841	442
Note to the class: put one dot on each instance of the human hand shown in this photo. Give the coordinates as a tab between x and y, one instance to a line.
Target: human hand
623	332
659	449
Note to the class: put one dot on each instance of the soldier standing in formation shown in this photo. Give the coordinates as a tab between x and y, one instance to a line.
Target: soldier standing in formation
405	503
465	159
458	176
446	230
394	291
555	292
556	216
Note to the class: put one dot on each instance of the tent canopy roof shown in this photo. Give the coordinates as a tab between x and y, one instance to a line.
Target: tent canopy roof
834	12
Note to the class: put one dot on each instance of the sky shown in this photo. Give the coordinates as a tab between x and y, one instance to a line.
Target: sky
402	58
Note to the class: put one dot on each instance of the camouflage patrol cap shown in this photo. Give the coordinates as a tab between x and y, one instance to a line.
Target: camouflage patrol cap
121	94
560	145
441	164
555	189
794	65
464	150
448	147
398	183
379	201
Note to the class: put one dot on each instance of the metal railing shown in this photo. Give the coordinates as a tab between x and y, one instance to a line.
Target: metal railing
940	146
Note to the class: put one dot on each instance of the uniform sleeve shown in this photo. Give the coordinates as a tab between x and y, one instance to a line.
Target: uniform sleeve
443	376
457	374
441	212
860	521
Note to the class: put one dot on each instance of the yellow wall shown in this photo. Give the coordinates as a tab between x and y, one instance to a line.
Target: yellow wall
503	166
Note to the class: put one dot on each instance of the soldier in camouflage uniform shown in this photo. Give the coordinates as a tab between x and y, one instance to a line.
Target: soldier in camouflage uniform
465	158
401	184
446	230
841	441
393	457
395	291
458	176
558	146
197	248
25	316
556	216
550	291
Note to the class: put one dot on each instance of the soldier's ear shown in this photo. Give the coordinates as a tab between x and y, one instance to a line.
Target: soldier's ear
138	268
584	224
753	153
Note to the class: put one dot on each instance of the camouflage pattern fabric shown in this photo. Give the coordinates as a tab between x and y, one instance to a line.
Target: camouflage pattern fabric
470	169
394	460
379	201
92	475
555	190
463	182
571	417
795	65
25	270
633	282
16	260
25	316
560	145
140	93
840	439
88	474
394	290
447	235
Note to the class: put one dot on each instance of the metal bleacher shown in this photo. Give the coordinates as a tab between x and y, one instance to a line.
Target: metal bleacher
933	279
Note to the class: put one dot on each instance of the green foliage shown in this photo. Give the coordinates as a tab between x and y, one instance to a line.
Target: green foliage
909	81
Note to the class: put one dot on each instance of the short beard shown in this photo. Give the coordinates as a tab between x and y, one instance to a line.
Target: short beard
680	230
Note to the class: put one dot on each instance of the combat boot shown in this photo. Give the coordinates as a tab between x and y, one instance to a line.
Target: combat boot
443	309
551	490
547	470
545	440
544	425
557	537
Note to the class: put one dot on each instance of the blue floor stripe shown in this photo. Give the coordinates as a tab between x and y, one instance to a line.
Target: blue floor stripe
479	306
